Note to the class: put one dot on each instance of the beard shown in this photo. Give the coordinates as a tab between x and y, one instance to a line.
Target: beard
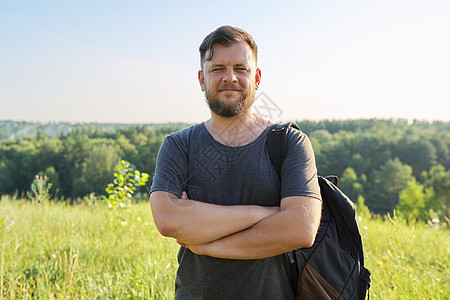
231	108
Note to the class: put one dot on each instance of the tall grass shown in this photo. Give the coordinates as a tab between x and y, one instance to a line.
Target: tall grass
57	251
407	261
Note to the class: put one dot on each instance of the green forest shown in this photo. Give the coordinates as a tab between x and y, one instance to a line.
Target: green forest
386	164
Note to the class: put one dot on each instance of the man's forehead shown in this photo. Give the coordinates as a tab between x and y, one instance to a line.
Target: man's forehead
239	53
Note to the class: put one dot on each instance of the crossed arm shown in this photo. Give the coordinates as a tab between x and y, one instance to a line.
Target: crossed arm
237	232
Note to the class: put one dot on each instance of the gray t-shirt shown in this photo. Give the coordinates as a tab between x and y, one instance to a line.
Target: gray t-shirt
192	160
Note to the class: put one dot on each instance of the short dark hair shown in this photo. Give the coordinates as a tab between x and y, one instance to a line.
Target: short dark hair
225	36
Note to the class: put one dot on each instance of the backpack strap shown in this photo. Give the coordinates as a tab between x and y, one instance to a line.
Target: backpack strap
276	145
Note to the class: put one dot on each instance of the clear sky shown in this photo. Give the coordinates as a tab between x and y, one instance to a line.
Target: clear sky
137	61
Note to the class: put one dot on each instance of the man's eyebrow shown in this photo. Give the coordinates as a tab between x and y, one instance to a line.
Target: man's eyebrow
239	65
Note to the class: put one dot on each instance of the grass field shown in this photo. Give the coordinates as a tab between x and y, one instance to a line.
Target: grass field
57	251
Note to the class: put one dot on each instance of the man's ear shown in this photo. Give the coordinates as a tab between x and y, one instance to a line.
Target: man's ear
201	79
257	78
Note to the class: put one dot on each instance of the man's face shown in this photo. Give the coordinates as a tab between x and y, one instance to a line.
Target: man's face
230	79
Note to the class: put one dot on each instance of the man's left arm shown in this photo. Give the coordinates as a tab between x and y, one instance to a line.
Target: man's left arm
295	226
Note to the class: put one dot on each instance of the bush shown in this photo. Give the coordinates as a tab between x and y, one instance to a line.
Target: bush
40	188
121	190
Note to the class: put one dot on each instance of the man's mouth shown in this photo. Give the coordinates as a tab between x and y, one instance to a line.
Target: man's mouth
229	88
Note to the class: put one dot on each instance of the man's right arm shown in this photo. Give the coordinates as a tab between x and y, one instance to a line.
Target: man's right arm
194	222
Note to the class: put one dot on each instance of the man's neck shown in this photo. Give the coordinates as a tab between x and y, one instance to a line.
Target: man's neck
236	131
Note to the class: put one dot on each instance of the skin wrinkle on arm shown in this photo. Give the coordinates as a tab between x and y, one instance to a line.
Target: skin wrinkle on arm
293	227
193	222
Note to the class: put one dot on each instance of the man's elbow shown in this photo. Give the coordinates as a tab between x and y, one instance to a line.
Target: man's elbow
306	237
164	225
305	213
165	229
162	217
307	241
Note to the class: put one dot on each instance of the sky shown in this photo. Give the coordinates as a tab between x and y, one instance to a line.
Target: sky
137	61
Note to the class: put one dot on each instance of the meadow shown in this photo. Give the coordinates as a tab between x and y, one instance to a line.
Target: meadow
89	251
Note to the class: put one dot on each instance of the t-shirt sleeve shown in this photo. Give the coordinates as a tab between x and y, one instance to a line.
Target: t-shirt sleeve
171	167
299	172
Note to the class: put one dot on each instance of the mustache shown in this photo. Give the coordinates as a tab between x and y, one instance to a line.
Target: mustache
227	86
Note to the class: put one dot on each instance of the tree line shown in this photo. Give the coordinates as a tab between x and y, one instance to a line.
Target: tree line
383	163
387	164
80	161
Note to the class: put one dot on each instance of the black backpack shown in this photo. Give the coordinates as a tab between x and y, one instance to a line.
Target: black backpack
333	268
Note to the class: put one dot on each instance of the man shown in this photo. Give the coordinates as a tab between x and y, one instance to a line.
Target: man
216	192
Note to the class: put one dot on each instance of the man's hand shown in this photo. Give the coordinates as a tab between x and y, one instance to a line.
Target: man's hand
197	249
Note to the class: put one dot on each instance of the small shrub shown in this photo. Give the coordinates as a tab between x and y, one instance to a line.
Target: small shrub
40	188
121	190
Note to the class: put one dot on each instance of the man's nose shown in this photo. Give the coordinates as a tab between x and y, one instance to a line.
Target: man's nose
230	76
